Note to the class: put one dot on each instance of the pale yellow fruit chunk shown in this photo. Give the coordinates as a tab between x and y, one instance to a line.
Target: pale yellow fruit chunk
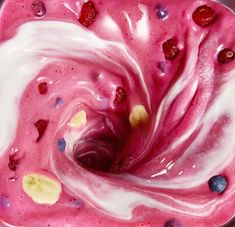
41	189
79	119
138	116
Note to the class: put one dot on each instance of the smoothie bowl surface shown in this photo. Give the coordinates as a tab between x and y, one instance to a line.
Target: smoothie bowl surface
117	113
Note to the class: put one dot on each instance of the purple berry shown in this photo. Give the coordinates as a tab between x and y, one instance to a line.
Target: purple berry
172	223
38	8
161	11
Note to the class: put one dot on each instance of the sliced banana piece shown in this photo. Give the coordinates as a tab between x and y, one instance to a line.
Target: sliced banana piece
79	119
138	116
42	189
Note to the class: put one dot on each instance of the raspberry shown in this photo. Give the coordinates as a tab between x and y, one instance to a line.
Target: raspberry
42	88
120	95
204	15
88	14
41	126
225	56
170	49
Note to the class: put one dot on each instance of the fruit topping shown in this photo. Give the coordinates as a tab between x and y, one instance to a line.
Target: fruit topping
138	116
61	144
42	88
38	8
225	56
12	164
217	184
88	14
42	189
161	11
172	223
204	15
120	95
79	119
170	49
41	126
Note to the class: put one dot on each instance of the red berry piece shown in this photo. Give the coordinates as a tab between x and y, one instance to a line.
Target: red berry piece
204	15
42	88
225	56
170	49
12	163
38	8
88	14
120	95
41	126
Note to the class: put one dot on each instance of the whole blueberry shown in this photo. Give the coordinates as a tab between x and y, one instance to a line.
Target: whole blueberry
61	144
172	223
161	11
217	184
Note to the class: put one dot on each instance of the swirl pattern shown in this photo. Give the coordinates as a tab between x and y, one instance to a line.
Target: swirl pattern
129	134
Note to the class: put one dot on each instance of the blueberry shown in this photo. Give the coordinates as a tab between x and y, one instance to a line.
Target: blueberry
217	184
172	223
58	102
161	11
61	144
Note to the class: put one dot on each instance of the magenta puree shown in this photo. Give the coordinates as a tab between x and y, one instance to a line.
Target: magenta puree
128	125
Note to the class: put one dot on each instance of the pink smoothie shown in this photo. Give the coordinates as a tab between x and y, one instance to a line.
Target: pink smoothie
55	63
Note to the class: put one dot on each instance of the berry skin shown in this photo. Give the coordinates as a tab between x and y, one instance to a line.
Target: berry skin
38	8
204	15
170	49
172	223
41	126
88	14
120	95
225	56
217	184
42	88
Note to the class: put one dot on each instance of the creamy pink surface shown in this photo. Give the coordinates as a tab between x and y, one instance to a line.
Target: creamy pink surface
165	165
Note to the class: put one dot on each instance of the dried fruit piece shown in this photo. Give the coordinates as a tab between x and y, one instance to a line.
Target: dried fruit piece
78	119
42	88
12	163
225	56
38	8
41	126
120	95
170	49
204	15
41	189
138	116
88	14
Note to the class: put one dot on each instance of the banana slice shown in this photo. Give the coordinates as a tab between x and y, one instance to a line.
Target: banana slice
41	189
78	119
138	116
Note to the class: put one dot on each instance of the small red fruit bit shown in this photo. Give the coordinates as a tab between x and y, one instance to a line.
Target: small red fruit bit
88	14
204	15
12	163
42	88
41	126
170	49
38	8
225	56
120	95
